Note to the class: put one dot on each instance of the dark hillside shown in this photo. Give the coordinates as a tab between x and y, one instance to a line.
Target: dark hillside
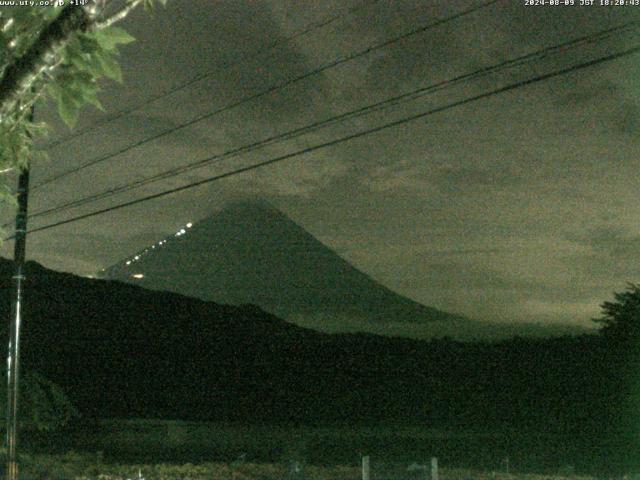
122	351
125	351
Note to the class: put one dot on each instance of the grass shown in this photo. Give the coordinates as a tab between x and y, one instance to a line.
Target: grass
74	466
146	443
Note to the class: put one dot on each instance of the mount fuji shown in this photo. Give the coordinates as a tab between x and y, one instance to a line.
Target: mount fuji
251	253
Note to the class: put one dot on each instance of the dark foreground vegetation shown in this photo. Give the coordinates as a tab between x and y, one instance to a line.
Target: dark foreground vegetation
389	446
122	352
75	466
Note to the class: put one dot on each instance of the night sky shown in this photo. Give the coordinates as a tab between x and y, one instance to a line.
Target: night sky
519	207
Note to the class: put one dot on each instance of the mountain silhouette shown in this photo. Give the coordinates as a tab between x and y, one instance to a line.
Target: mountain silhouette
122	350
119	350
250	252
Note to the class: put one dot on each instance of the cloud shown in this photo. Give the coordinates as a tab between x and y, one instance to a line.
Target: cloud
298	177
491	209
462	179
610	258
597	91
627	121
401	176
456	329
611	240
460	274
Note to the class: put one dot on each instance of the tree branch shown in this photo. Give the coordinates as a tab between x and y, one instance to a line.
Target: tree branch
117	16
18	76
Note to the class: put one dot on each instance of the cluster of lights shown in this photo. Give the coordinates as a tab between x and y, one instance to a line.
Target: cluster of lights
182	231
179	233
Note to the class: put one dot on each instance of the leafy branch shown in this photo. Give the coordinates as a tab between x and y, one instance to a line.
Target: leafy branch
59	53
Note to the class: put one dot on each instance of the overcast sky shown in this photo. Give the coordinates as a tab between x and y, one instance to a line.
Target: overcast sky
522	206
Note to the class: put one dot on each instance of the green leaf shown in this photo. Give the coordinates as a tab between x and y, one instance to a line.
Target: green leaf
90	95
94	65
82	62
36	129
88	43
111	37
54	91
110	66
68	109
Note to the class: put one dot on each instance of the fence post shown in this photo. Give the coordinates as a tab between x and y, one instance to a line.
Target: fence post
434	468
366	468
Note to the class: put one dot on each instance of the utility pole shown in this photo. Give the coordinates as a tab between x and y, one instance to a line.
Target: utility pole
13	371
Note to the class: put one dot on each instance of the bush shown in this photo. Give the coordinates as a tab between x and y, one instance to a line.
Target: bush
43	406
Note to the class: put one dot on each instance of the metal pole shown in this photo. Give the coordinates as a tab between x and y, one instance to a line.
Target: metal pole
366	468
13	371
434	468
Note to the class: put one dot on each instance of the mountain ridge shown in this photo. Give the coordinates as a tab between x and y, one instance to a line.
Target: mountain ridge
119	350
250	252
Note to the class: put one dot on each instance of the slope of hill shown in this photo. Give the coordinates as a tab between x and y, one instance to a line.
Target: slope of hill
121	350
252	253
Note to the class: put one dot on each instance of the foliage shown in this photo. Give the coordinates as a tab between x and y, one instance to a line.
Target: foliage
71	79
621	318
43	404
68	73
80	467
85	58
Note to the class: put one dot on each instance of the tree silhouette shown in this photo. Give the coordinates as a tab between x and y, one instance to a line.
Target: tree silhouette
45	406
621	318
618	392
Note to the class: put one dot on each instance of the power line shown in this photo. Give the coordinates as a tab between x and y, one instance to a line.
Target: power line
347	138
197	78
533	56
274	88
